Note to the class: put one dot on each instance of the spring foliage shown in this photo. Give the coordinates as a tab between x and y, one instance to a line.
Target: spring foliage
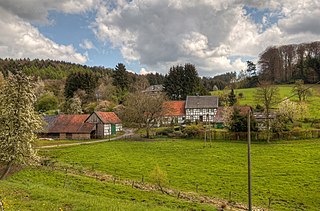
18	121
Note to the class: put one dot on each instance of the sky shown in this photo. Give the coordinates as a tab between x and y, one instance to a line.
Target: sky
217	36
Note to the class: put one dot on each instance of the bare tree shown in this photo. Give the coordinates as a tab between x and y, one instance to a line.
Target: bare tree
300	90
267	94
143	109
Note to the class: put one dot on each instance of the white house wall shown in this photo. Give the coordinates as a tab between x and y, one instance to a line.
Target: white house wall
106	129
195	114
118	127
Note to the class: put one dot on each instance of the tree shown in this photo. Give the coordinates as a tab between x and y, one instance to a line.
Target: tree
47	102
143	109
18	121
232	99
267	94
289	111
159	177
300	90
73	106
182	81
86	81
237	121
121	77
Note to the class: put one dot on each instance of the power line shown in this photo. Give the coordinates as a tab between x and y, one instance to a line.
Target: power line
287	98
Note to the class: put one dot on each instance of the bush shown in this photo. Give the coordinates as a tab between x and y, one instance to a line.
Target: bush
297	125
192	130
165	131
316	125
47	102
176	134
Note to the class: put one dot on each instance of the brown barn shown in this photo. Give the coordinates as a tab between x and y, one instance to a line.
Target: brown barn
82	126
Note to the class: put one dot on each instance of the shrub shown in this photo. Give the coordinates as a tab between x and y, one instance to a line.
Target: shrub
176	134
316	125
297	125
159	177
165	131
192	130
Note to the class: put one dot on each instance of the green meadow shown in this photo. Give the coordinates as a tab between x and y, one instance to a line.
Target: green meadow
285	176
284	92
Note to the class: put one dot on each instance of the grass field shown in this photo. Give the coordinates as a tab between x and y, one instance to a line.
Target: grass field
42	189
284	91
288	173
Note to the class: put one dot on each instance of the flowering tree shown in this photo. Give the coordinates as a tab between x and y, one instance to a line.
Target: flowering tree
18	121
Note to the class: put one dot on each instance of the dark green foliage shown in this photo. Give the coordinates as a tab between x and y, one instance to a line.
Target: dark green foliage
182	81
232	99
220	81
47	102
121	77
47	69
81	81
239	122
155	78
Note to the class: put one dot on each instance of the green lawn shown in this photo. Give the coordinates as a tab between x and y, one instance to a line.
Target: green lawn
288	173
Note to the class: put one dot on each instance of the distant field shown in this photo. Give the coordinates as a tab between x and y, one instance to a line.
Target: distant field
287	173
285	91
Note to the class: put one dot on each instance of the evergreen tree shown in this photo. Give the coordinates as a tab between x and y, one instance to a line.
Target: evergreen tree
182	81
18	121
121	77
232	99
81	81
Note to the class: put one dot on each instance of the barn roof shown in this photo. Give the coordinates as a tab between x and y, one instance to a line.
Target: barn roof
49	120
71	123
174	108
202	102
108	117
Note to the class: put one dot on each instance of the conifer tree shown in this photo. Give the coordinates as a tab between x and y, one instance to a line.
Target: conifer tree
18	121
121	77
232	99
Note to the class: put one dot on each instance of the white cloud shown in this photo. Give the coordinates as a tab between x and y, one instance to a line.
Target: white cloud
22	40
87	44
37	10
162	33
143	71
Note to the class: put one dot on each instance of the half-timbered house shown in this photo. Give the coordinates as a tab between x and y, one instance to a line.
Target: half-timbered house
201	108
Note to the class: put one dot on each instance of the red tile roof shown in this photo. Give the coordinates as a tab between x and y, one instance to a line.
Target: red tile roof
108	117
74	123
174	108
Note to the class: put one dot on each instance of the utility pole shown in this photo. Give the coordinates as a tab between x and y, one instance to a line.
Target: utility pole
249	163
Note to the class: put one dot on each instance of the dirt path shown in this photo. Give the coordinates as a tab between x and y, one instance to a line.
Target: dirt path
128	132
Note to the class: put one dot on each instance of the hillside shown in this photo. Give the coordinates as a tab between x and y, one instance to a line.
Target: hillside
284	91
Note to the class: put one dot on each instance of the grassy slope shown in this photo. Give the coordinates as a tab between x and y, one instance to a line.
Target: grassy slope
285	91
286	172
42	189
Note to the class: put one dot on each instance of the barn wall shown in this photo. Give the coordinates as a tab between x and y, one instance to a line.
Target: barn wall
80	136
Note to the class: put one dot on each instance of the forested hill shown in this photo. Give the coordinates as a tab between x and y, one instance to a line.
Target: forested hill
287	63
47	69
